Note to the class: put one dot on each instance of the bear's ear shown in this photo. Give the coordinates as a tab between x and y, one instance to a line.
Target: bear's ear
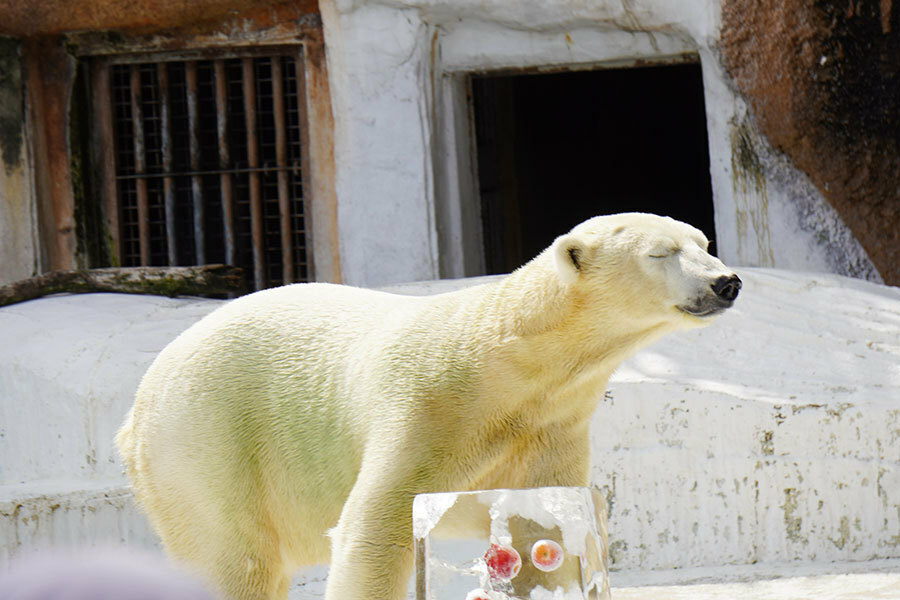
569	255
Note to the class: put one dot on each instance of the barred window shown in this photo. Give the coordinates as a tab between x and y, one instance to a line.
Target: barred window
207	156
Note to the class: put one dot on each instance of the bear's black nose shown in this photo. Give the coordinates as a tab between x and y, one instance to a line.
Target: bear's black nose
727	287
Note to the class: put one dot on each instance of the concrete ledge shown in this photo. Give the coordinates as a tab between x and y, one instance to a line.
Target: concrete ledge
796	581
792	581
73	514
735	574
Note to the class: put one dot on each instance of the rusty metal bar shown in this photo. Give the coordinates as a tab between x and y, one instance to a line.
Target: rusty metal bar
140	164
104	153
224	158
162	74
190	75
317	164
256	212
284	200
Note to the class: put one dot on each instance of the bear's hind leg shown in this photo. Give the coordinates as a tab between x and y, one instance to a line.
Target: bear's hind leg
242	560
235	569
243	576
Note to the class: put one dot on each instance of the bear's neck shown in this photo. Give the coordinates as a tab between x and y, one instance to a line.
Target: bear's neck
532	302
547	337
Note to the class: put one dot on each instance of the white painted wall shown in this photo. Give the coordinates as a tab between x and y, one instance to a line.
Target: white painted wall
406	191
771	436
379	81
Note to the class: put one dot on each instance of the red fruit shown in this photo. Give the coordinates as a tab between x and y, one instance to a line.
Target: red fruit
503	562
547	555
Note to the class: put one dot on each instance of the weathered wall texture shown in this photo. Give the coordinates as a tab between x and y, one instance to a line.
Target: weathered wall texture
398	72
17	235
806	181
823	81
43	17
49	72
39	224
791	455
12	127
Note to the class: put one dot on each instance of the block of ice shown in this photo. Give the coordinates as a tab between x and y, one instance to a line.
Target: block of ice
540	544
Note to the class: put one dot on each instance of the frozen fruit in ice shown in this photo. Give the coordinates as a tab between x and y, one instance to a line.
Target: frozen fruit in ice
503	562
547	555
481	594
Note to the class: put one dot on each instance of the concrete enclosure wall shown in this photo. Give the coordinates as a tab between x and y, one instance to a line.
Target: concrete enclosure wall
771	436
403	131
407	204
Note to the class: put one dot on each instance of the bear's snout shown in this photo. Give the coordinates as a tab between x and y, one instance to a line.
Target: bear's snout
727	287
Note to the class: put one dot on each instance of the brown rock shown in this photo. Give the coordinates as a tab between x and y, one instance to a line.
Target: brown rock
823	81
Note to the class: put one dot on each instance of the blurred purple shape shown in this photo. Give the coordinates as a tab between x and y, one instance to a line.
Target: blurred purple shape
118	574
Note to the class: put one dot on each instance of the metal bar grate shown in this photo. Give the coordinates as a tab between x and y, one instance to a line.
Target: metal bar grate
256	220
162	74
140	163
190	77
208	159
284	216
224	161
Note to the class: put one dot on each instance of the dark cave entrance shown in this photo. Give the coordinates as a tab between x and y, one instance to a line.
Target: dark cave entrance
556	149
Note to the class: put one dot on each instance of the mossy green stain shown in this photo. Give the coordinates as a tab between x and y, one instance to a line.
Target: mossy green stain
161	286
748	178
844	531
793	524
12	112
746	166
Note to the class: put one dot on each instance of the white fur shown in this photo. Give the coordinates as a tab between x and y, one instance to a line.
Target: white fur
299	409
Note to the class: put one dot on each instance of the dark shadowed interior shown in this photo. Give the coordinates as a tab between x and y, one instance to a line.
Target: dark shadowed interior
556	149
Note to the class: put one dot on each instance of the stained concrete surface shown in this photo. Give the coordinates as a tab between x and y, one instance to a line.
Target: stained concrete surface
871	580
866	586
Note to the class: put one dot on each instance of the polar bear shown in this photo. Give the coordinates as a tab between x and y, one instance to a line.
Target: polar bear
296	424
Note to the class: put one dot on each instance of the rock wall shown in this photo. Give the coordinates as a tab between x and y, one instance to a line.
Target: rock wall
823	82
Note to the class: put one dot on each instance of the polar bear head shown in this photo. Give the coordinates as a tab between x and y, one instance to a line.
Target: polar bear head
654	269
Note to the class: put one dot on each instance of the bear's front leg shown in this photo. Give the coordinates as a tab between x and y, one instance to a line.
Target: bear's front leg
559	457
371	548
553	456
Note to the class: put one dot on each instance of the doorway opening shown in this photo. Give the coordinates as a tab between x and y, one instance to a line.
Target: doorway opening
557	149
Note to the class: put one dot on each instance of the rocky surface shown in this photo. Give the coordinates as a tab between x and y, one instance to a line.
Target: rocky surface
823	81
